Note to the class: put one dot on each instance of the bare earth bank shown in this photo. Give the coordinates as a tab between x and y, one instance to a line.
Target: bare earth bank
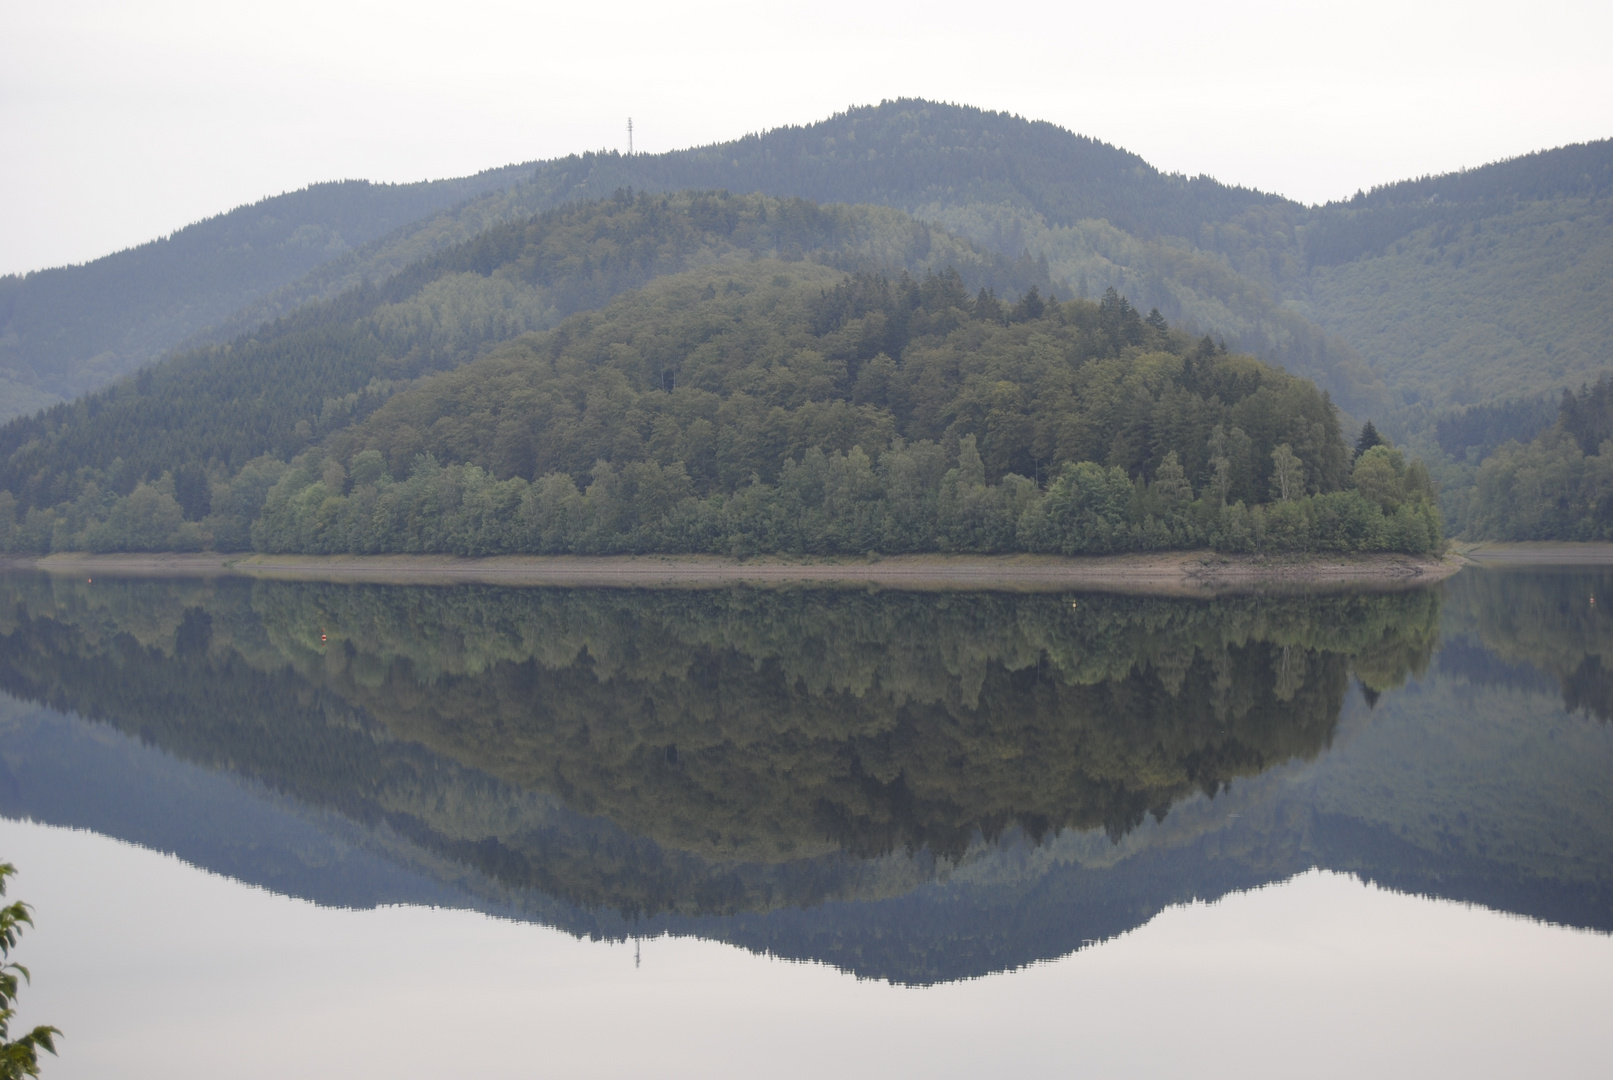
1175	573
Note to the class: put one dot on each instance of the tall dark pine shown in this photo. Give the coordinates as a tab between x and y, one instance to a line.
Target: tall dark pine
1368	438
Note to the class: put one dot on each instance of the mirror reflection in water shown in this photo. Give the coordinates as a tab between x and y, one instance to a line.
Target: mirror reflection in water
916	788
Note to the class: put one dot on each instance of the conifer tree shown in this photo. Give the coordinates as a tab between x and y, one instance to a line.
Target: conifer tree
1368	438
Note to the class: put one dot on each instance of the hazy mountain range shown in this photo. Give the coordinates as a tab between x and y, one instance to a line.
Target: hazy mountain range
1407	302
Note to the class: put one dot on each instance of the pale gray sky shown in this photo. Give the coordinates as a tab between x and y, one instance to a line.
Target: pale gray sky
122	121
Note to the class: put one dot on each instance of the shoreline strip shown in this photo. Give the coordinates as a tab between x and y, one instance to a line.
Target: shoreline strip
1171	573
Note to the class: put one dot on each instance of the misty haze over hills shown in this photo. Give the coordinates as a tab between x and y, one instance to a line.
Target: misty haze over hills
1415	298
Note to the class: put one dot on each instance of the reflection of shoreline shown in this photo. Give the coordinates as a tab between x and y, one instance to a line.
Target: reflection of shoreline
1167	573
1541	553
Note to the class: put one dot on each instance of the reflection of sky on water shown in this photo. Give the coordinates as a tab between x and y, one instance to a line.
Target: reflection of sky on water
157	969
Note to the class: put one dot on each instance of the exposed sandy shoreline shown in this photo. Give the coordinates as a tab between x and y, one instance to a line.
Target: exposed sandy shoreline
1174	573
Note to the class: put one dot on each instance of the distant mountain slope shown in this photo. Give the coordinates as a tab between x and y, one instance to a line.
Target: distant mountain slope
914	153
1211	257
1015	176
1492	283
71	329
1371	222
1407	303
1507	306
1101	215
1479	297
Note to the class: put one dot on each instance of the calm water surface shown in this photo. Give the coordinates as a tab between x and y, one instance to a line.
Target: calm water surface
377	831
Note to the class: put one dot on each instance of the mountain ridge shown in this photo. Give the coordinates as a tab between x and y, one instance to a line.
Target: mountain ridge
1411	304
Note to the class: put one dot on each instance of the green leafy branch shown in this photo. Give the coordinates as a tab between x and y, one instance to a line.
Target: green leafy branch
19	1057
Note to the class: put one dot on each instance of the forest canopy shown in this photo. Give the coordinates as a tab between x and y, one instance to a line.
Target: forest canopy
735	397
1559	485
280	389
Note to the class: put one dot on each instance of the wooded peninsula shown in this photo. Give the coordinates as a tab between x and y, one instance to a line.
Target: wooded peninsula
752	382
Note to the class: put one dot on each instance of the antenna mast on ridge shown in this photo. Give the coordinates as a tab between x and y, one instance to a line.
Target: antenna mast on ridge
629	136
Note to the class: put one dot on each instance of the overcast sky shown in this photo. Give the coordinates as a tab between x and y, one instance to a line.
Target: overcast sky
124	121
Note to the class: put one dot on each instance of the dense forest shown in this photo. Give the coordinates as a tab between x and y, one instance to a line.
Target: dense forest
1557	486
752	405
1412	304
276	390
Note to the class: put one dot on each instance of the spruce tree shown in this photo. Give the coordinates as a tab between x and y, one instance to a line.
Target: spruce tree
1368	438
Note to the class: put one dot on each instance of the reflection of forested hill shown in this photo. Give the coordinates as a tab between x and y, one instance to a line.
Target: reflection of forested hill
762	726
1009	904
916	788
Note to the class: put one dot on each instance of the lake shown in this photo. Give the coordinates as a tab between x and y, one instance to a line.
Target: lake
283	828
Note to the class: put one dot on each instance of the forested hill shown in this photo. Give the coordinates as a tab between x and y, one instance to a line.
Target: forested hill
772	376
1443	308
1409	303
1418	300
71	329
1213	258
279	390
1102	216
1496	287
1209	256
780	407
1373	220
921	155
